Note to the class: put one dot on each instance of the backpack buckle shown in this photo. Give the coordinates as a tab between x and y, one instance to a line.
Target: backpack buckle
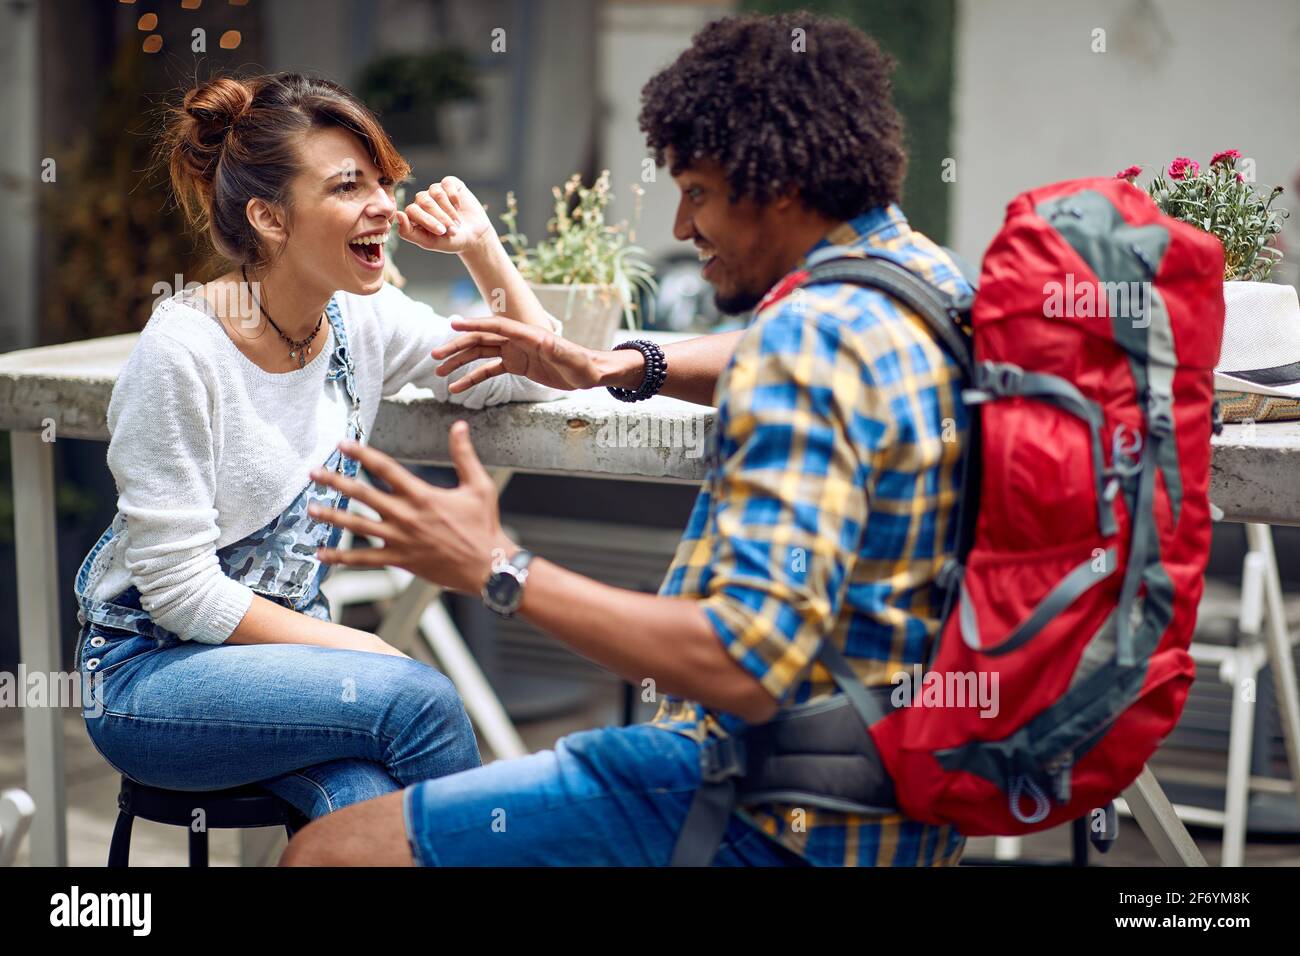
1000	378
1125	451
1160	415
720	759
1010	379
949	576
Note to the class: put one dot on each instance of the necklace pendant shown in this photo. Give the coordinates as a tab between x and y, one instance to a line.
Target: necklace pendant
293	355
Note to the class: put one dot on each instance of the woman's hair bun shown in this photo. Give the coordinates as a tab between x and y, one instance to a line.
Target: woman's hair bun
214	107
194	140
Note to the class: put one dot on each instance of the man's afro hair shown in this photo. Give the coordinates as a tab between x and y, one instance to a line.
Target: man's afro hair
780	109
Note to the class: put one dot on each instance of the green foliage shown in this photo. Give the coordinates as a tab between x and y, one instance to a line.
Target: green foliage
580	247
918	34
414	82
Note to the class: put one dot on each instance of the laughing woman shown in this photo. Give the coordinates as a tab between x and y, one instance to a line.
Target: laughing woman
203	622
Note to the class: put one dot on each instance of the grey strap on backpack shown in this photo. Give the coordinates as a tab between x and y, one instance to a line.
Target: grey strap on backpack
943	315
721	763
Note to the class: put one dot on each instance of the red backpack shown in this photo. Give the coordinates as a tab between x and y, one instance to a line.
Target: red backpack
1084	531
1096	329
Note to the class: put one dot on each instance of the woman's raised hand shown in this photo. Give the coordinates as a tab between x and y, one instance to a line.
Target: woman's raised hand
446	217
516	349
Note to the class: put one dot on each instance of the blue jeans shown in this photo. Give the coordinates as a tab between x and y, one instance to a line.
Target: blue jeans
611	797
319	727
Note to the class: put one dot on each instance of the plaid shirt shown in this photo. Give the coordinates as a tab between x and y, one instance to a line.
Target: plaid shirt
827	512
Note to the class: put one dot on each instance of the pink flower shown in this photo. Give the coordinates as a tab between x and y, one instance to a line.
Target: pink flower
1240	178
1183	168
1228	156
1131	173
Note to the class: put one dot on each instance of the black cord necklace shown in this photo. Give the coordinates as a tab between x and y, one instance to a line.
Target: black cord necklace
297	350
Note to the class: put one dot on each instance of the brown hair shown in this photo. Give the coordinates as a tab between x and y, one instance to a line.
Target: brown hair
234	140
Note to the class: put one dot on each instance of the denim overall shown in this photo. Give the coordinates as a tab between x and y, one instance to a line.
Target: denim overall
278	561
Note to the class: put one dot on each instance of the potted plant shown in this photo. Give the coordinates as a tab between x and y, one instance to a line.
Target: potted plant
411	91
585	273
1261	319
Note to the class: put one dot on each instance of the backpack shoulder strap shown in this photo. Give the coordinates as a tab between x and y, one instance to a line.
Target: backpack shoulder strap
941	312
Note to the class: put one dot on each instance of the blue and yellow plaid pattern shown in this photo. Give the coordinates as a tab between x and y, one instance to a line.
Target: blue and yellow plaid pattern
827	512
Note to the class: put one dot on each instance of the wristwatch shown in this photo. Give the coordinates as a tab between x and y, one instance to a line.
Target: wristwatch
504	590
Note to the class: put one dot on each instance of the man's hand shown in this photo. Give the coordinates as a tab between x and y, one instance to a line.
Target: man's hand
446	217
520	349
445	535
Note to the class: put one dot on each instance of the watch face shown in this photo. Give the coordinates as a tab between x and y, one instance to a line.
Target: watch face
502	588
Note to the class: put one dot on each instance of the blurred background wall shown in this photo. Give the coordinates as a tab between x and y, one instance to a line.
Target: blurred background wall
1033	104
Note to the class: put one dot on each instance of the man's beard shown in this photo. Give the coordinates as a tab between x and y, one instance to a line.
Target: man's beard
737	302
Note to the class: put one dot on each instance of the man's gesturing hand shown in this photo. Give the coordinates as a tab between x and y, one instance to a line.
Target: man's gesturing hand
518	349
444	535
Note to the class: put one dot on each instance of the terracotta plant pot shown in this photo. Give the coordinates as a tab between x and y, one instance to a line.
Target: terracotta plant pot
591	314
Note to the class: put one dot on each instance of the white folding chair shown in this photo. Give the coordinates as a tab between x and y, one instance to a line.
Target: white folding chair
1262	638
16	812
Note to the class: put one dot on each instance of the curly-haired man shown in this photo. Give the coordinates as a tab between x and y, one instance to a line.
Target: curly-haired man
814	546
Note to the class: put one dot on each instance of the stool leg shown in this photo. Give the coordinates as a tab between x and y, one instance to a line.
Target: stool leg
1260	537
1079	842
198	847
119	850
295	823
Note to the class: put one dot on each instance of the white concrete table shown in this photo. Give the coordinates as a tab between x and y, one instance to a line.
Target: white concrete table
62	391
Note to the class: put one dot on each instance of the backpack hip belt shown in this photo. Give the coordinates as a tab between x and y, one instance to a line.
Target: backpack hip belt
816	754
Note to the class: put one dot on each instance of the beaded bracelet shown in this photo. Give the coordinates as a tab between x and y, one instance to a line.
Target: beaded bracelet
656	370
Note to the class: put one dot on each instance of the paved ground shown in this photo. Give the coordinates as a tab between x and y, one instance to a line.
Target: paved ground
92	797
92	790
